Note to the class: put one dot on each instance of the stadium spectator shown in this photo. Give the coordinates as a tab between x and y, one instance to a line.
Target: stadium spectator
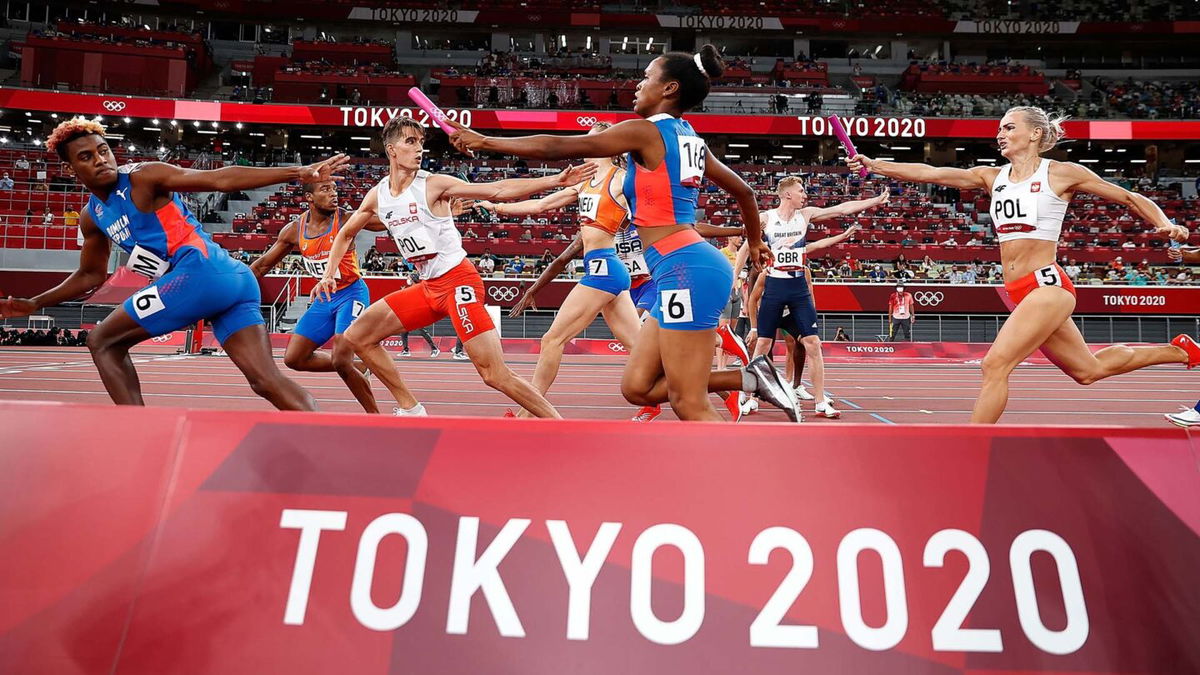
47	218
71	217
6	183
487	263
22	163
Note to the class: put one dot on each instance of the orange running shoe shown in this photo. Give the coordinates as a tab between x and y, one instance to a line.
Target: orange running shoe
647	414
732	344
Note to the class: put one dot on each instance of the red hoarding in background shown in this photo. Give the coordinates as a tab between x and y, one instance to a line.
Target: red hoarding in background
550	120
166	540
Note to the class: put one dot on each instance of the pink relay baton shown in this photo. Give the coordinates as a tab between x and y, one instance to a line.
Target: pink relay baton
435	113
840	132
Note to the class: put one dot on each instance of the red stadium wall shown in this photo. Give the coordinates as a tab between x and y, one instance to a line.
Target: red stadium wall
92	65
166	540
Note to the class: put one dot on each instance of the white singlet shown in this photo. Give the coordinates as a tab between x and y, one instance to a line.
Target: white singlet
431	243
630	251
786	239
1029	209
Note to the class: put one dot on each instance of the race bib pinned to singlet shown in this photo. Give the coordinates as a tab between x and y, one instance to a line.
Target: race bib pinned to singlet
789	259
629	250
317	268
415	244
1015	210
589	205
692	154
635	264
147	264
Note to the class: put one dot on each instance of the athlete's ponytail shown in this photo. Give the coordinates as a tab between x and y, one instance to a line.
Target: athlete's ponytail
1050	125
694	73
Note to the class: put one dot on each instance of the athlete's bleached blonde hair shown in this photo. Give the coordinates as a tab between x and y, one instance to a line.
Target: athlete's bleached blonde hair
787	182
1050	125
69	130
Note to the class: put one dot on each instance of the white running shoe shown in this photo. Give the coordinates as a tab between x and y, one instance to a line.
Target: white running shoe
461	356
418	411
1187	417
749	404
435	353
405	352
825	409
803	394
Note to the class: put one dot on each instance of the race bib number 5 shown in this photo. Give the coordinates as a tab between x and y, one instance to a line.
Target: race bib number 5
464	295
676	305
1048	276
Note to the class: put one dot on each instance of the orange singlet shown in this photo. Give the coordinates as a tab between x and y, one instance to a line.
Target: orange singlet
315	251
597	207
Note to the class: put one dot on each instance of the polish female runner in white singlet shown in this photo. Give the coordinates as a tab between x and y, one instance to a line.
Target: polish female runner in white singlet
1030	196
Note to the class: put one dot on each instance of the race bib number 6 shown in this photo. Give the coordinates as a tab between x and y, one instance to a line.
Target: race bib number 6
676	305
146	302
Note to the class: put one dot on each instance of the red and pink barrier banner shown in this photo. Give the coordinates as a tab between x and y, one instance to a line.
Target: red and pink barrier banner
167	540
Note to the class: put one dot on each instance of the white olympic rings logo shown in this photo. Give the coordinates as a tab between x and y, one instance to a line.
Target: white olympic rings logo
616	347
503	293
586	120
929	298
161	338
114	106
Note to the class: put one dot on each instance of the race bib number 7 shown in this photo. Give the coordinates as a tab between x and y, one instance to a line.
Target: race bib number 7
692	153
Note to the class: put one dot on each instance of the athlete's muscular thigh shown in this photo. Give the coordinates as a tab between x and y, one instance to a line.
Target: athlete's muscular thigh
375	323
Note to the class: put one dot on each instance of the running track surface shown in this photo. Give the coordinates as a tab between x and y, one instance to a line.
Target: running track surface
588	387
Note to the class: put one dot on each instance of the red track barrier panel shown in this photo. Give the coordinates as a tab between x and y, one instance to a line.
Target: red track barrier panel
167	540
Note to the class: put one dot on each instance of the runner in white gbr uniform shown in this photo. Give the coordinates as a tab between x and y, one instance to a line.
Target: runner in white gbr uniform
1030	196
414	205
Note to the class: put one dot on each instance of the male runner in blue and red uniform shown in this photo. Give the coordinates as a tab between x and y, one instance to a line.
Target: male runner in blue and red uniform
192	278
